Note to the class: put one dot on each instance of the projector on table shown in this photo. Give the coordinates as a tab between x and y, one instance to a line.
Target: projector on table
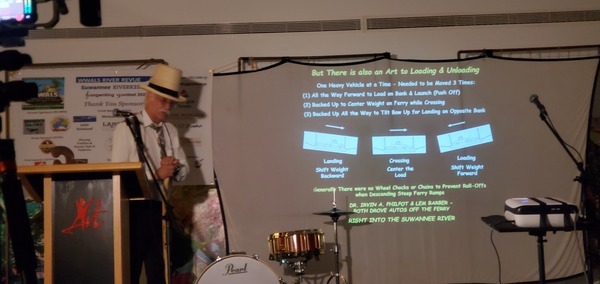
539	212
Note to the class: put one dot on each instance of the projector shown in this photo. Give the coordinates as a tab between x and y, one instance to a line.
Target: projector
536	212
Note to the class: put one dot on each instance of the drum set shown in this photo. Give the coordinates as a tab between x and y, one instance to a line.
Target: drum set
294	248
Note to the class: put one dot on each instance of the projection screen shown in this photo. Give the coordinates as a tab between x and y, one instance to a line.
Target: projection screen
419	151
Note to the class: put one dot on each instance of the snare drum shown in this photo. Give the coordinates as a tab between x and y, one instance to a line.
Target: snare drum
296	244
238	269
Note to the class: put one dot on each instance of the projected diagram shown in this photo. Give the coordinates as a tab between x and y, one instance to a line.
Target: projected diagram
330	143
465	138
389	145
395	145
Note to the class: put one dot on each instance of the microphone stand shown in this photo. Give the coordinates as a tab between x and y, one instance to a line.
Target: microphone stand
582	179
134	126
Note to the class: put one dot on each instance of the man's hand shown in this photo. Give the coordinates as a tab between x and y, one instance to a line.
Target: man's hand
168	165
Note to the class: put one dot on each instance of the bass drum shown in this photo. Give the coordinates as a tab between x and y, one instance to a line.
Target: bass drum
238	269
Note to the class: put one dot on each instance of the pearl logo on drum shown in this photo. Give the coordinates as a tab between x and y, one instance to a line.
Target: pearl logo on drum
238	269
230	269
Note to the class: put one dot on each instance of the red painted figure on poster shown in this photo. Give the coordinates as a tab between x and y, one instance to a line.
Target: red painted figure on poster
83	220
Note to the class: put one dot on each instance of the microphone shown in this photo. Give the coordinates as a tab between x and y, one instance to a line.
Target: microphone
134	124
118	112
535	100
177	169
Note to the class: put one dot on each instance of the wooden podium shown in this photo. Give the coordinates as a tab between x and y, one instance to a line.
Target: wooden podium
86	218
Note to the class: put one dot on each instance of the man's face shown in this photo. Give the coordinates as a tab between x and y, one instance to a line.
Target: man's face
157	107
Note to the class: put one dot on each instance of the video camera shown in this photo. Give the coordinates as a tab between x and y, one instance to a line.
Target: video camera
18	11
17	17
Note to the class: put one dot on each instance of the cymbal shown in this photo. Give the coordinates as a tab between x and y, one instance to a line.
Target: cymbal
334	213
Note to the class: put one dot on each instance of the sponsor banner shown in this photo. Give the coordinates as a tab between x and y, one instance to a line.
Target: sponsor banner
71	120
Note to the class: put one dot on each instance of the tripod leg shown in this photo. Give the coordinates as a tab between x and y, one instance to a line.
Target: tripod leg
16	214
541	261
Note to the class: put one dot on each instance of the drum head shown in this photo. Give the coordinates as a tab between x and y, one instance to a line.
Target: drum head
238	269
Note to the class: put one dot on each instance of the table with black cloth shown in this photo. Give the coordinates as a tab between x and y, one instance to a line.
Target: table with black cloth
500	224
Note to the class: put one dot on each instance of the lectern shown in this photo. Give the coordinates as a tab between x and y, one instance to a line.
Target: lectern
86	217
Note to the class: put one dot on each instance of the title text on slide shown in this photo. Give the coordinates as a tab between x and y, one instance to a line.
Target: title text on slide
395	71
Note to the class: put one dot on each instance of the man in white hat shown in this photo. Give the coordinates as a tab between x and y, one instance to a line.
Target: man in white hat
166	161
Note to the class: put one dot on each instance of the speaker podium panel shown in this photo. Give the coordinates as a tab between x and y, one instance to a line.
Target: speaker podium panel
86	218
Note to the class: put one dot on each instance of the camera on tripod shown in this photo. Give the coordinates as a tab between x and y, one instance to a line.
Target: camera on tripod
10	186
17	17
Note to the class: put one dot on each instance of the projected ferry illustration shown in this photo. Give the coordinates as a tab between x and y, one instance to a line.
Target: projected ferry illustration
465	138
326	142
394	145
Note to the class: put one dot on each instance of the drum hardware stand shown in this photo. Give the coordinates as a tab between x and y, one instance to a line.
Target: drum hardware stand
300	265
335	214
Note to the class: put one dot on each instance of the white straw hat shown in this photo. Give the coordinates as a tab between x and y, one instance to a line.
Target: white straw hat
165	82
